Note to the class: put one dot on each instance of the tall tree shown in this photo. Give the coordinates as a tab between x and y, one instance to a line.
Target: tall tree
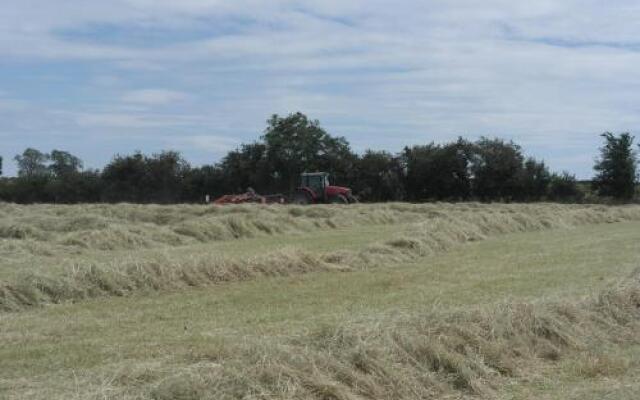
138	178
75	187
125	179
378	177
296	144
166	172
535	180
68	183
437	172
248	167
616	169
64	163
497	169
564	188
32	163
203	181
33	177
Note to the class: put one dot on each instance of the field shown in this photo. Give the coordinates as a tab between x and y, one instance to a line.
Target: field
392	301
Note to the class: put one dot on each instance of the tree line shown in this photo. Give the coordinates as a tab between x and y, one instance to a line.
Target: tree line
488	169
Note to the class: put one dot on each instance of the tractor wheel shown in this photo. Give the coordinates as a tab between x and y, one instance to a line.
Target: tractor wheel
338	199
301	198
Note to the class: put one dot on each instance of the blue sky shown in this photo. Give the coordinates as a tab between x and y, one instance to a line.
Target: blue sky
202	76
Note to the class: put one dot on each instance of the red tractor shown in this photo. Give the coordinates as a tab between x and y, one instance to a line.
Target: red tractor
315	188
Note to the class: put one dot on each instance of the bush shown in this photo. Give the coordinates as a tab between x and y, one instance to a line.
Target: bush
564	188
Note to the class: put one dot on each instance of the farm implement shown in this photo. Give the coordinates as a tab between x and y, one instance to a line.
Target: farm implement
314	188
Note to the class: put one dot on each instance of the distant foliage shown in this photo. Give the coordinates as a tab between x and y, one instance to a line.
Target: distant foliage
295	144
616	170
489	169
63	164
378	176
32	163
206	180
138	178
438	172
564	188
248	167
497	169
535	181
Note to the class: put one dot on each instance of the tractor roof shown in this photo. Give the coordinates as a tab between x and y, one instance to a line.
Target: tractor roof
315	174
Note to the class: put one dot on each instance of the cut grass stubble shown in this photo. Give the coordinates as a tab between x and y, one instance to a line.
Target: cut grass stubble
433	230
447	354
186	344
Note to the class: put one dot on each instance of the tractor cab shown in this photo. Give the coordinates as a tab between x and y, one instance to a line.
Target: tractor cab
316	181
316	188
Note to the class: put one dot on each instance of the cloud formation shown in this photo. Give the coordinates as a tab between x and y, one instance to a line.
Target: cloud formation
114	76
153	96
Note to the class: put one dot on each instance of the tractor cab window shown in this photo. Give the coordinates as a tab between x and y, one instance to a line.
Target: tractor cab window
316	182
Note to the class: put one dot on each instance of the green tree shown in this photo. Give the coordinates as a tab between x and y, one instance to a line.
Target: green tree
33	177
296	144
496	167
69	184
63	163
142	179
437	172
202	181
535	180
616	169
75	187
0	165
378	177
248	167
165	174
564	188
32	163
337	159
125	179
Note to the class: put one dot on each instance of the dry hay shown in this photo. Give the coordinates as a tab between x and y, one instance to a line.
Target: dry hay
435	228
449	354
127	226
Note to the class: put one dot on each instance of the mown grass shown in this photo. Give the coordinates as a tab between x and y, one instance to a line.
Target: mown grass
321	241
255	242
335	334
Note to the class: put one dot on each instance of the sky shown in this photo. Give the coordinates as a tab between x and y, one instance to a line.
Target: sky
98	78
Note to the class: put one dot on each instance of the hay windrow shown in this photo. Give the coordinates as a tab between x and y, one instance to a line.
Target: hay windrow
472	353
433	228
161	226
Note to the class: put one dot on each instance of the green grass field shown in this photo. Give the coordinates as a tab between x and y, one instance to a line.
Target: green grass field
385	301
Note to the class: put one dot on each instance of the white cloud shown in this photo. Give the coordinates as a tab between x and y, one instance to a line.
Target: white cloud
214	144
133	120
154	96
384	74
114	120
